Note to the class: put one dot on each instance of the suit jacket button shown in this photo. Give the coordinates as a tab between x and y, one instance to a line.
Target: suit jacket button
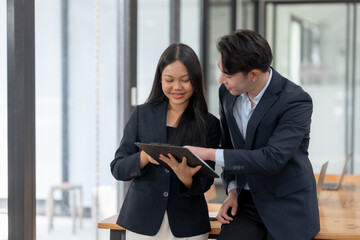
165	194
166	170
234	167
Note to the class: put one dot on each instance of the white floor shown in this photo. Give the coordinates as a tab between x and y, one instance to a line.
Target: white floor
62	229
3	226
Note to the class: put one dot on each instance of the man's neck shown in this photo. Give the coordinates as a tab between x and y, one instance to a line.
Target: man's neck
259	84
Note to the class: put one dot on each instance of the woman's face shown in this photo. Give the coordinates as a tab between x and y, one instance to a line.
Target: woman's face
176	85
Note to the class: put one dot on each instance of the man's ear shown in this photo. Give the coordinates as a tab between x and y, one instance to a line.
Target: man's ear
254	74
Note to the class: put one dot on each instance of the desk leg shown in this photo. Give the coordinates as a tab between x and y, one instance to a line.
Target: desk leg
212	236
117	235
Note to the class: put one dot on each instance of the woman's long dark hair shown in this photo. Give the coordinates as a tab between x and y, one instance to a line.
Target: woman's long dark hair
191	128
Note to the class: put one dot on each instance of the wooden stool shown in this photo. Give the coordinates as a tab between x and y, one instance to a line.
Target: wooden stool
75	210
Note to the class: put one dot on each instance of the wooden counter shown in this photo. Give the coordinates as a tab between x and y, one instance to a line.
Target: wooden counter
339	213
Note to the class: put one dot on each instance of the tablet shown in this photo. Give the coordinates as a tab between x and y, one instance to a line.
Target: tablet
155	149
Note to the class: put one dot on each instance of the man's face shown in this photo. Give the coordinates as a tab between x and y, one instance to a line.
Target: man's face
237	83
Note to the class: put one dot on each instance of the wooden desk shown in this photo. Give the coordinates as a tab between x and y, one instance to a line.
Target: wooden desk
117	232
340	210
339	213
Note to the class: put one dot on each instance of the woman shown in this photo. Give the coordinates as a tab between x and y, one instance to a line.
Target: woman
163	204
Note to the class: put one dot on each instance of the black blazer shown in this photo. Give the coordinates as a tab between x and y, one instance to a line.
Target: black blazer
273	158
154	189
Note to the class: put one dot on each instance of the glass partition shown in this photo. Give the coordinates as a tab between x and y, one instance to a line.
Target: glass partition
154	17
3	124
190	29
220	19
357	95
311	48
76	106
245	17
153	38
219	23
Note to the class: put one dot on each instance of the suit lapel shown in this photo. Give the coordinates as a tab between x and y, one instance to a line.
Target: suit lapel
235	134
267	100
159	120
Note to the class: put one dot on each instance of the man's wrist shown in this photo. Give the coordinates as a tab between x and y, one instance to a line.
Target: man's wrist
210	154
233	192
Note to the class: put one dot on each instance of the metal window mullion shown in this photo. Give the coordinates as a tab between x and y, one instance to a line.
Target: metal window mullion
64	99
204	38
174	21
126	71
261	17
233	9
21	120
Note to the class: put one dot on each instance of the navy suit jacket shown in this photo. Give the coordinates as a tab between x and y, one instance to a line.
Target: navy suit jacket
273	158
154	189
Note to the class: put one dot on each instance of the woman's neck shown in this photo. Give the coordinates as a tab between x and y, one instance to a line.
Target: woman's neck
174	113
178	109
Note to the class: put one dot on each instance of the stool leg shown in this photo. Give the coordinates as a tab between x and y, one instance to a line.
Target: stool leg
81	209
50	210
73	211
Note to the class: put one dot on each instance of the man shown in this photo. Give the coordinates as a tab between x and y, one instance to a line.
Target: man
265	123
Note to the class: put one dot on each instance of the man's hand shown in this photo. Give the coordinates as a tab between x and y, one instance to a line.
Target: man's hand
203	153
230	202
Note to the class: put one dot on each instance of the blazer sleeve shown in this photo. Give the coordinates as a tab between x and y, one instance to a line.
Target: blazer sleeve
201	184
225	142
289	137
126	164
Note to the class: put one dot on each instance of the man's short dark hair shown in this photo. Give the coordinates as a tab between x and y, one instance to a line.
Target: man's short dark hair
244	50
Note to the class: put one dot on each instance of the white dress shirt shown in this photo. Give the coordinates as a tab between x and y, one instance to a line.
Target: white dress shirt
242	112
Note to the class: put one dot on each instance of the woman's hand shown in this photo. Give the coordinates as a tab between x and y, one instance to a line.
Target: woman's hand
184	172
145	159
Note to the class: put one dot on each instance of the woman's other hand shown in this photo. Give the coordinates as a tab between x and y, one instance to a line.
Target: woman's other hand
145	159
184	172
